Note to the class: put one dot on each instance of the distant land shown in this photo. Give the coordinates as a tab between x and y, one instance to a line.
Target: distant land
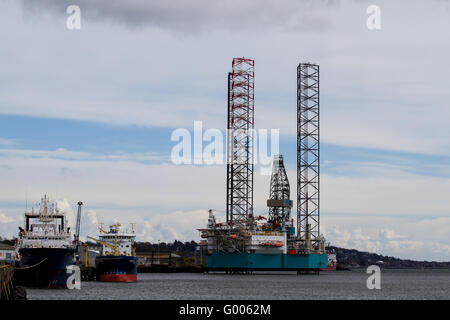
358	259
347	258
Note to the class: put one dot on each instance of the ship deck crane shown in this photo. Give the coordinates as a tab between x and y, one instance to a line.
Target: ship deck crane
115	248
77	230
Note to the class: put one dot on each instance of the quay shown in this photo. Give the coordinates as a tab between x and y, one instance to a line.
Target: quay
8	291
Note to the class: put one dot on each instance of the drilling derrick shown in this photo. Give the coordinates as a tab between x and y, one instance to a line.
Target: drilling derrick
240	142
279	203
308	155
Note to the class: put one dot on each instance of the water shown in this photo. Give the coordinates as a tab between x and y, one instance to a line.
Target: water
395	284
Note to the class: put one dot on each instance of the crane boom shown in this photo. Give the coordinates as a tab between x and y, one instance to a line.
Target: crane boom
77	230
115	248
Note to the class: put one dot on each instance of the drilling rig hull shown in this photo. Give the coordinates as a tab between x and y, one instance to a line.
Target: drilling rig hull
241	261
116	268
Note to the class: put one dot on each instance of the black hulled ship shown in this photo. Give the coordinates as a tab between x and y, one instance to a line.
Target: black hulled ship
44	248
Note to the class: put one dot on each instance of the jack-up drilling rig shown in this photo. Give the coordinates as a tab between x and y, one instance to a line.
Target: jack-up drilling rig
246	242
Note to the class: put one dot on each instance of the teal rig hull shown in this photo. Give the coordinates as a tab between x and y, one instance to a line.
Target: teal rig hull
243	261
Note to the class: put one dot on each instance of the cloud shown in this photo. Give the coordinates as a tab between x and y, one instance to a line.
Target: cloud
362	189
71	215
381	208
381	189
191	17
419	239
92	217
64	154
383	90
389	235
8	223
117	84
5	219
8	142
178	225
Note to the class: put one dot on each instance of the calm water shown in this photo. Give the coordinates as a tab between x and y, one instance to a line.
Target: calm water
395	284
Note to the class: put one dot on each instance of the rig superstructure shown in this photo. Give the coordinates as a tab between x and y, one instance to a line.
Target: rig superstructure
245	241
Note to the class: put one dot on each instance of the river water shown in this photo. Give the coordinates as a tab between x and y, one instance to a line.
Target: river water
395	284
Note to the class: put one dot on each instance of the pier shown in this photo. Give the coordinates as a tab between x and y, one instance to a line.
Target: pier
6	282
88	273
166	262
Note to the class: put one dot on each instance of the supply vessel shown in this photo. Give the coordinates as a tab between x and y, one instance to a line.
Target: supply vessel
44	248
117	261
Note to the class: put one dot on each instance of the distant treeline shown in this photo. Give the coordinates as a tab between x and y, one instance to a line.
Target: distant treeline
7	241
354	258
184	248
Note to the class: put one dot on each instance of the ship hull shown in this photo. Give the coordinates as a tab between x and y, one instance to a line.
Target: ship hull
332	263
44	267
116	268
237	261
329	268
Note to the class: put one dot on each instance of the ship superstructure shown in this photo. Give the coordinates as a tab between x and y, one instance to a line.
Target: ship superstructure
45	227
120	241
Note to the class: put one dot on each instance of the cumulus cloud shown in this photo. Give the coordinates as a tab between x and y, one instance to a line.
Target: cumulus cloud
71	215
92	217
9	221
178	225
390	235
6	219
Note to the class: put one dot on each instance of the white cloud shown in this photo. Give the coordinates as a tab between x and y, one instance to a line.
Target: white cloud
383	209
8	223
8	142
92	217
389	235
178	225
374	88
6	219
71	215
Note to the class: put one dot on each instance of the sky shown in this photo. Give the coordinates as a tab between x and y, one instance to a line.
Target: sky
88	114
